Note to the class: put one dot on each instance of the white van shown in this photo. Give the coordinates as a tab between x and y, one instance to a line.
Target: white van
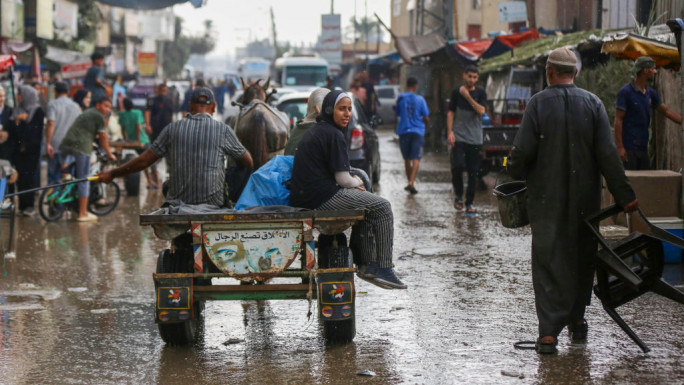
253	69
302	73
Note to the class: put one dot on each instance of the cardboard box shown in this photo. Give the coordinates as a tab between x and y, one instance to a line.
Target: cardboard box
658	192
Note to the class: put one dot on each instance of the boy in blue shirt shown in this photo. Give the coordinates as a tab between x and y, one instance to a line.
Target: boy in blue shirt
413	115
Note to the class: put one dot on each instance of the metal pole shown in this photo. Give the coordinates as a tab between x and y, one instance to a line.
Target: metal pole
332	6
354	45
365	27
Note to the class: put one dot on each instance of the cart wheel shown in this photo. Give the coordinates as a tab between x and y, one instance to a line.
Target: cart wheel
181	333
332	252
49	209
132	181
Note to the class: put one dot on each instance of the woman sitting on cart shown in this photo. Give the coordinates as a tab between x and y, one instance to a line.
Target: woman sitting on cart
321	181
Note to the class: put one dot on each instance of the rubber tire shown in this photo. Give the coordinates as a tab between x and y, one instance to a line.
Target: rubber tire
181	333
44	206
92	207
132	181
332	252
377	169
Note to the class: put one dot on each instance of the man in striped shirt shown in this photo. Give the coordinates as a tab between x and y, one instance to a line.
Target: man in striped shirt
195	149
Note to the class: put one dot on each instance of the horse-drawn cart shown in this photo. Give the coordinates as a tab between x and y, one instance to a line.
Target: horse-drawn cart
253	248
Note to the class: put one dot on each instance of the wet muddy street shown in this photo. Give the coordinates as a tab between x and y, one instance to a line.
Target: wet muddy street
76	307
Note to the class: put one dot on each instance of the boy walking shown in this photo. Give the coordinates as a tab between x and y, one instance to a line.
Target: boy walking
413	115
464	124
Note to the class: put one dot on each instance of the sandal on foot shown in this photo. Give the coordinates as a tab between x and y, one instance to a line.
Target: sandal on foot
546	345
577	331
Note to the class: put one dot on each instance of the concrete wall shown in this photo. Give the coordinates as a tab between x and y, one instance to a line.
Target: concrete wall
490	17
399	18
465	15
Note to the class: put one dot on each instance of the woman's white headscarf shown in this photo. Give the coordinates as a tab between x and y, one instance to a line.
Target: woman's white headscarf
315	100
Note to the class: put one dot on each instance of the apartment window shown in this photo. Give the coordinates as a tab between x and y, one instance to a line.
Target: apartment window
477	4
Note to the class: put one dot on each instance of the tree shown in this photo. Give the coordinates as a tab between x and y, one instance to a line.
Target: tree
362	30
177	52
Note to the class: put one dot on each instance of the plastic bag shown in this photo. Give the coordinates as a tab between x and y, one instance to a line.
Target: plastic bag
265	186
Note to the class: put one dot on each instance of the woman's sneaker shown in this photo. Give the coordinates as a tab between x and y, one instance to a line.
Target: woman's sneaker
387	278
367	272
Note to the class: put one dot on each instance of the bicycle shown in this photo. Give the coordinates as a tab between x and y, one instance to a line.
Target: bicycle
103	198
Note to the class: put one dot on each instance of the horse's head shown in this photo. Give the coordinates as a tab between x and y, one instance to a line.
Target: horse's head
256	91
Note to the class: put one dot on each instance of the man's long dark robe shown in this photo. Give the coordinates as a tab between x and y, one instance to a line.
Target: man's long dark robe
563	147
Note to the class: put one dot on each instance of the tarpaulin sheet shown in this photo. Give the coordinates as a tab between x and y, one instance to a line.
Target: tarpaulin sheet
633	46
472	50
505	43
482	49
266	185
149	4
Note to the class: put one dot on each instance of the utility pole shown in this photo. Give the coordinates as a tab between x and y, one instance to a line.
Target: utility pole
365	27
275	39
354	37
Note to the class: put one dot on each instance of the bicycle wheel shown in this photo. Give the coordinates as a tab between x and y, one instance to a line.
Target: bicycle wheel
103	198
50	207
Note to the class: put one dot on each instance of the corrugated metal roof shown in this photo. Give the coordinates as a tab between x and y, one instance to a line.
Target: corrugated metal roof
412	46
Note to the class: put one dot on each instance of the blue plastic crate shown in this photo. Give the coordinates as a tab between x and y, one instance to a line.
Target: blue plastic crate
674	226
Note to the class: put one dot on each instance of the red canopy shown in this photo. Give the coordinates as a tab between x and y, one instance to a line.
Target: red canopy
6	61
474	50
516	39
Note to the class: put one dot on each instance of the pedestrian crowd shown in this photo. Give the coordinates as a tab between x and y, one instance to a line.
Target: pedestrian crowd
563	149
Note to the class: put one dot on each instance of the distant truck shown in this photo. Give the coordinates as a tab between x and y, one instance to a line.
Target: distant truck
253	69
300	73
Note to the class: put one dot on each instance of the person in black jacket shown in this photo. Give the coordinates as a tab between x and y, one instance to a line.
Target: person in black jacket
6	129
29	120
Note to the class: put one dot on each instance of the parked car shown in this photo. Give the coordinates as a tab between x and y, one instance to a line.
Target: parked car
387	96
363	145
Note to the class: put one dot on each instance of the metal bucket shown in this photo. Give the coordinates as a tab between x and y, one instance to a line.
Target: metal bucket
511	197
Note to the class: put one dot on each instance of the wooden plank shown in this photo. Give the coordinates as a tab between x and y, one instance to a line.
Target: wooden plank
237	217
254	288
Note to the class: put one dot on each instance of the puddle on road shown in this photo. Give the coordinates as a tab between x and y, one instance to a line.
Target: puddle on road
469	299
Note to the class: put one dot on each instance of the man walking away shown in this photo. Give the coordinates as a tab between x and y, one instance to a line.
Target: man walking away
159	112
464	125
78	142
562	149
185	108
633	115
413	114
61	113
94	80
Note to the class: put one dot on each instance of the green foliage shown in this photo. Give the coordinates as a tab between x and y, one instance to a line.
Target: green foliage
177	52
89	17
605	81
528	52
